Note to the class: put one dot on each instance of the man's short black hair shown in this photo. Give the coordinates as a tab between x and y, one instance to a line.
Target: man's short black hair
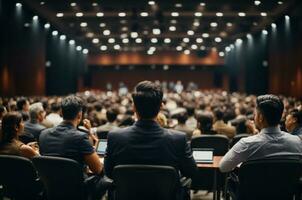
55	107
218	114
297	114
271	107
147	98
182	117
21	102
71	106
111	114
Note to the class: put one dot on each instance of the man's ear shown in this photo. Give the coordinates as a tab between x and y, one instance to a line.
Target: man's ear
79	116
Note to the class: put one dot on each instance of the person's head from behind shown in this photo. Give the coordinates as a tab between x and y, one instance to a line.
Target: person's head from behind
190	110
293	120
55	108
268	112
36	113
12	126
205	121
218	114
23	104
182	118
147	99
111	114
72	108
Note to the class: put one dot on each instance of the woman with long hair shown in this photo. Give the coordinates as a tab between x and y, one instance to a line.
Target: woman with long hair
12	126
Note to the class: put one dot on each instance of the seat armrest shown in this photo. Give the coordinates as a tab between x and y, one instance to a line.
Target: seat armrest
185	182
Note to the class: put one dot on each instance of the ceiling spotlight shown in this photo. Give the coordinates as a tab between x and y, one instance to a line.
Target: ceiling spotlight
173	21
257	3
83	24
280	2
199	40
54	33
152	49
151	3
125	40
174	14
172	28
94	4
35	17
178	5
134	34
47	25
79	48
106	32
186	40
202	4
241	14
198	14
214	24
221	54
138	40
122	14
60	14
79	14
42	3
274	25
219	14
229	24
179	48
103	48
117	47
85	51
144	14
102	25
19	5
239	41
150	52
249	36
95	41
187	52
190	32
89	35
73	4
125	28
156	31
194	46
227	49
287	17
71	42
196	24
124	35
218	39
205	35
99	14
264	32
202	48
263	14
154	40
111	40
167	40
62	37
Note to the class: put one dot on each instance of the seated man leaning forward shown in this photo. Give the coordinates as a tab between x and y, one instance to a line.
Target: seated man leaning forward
66	141
271	141
146	142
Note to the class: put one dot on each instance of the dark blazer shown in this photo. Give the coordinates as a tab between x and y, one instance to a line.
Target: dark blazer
149	144
34	129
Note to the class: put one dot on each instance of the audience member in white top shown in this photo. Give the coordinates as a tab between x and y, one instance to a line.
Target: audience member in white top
55	116
271	141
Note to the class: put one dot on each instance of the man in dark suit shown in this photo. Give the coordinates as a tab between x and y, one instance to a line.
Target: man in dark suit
146	142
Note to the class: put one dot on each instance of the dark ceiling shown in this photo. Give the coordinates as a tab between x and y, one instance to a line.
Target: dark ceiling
169	25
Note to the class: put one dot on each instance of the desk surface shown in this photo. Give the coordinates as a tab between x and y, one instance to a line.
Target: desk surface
215	164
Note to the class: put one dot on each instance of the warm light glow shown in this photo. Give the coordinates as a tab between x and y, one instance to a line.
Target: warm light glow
264	32
151	3
106	32
103	48
179	48
79	48
60	14
186	40
257	3
205	35
111	40
198	14
219	14
241	14
138	40
95	41
263	14
187	52
83	24
174	14
172	28
134	34
54	33
190	32
122	14
47	25
125	40
71	42
167	40
213	24
144	14
221	54
99	14
79	14
62	37
218	39
19	5
199	40
35	17
156	31
154	40
85	51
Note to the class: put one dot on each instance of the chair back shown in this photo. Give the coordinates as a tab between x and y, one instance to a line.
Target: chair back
148	182
220	143
62	177
237	138
274	178
19	178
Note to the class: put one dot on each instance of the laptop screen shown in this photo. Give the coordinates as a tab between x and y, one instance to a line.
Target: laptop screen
101	147
203	155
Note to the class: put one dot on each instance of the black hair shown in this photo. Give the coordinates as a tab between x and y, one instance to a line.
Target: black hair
8	130
205	121
147	98
271	107
21	102
298	115
55	107
111	114
182	117
71	106
218	114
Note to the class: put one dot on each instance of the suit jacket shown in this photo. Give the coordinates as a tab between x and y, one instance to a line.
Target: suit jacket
147	143
34	129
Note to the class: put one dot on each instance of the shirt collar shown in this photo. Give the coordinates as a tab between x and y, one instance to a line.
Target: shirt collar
271	130
147	123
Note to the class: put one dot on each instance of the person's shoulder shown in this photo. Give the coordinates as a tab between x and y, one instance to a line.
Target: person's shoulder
251	139
120	131
174	134
290	137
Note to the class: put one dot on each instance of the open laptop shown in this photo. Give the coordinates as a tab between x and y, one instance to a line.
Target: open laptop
203	155
101	147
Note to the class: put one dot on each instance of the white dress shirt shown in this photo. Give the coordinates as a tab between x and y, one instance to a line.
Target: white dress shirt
269	142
